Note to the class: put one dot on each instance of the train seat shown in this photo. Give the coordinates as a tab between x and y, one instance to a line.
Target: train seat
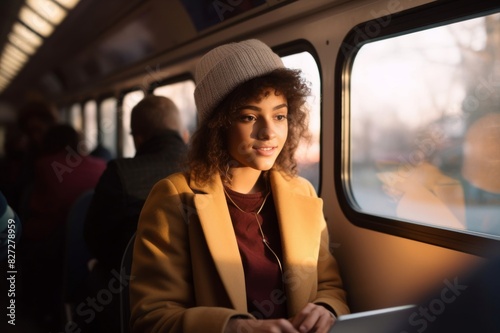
77	256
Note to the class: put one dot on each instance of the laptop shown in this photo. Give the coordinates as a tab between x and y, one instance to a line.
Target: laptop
386	320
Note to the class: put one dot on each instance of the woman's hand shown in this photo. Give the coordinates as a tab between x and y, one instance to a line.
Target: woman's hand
313	318
259	326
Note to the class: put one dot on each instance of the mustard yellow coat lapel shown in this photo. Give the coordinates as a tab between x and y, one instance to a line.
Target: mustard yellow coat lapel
295	205
299	215
212	208
188	275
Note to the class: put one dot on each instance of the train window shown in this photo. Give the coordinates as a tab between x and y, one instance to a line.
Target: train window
107	124
75	116
424	127
90	125
181	93
308	155
129	101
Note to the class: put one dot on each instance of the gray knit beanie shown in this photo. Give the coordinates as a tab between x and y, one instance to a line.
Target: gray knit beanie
224	68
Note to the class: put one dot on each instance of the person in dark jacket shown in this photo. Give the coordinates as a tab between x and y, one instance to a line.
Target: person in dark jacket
112	217
63	172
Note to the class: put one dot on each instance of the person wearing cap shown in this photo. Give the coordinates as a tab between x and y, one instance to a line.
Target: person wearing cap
238	241
159	138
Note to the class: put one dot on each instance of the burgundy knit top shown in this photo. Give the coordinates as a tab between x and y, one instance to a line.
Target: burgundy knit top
263	278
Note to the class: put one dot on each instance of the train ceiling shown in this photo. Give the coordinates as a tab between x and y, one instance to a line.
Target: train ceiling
98	38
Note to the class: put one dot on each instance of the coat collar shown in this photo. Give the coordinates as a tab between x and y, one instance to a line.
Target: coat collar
300	241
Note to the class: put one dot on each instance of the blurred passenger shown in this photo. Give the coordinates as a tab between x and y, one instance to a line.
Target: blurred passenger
102	152
238	243
62	173
11	164
124	186
469	302
35	118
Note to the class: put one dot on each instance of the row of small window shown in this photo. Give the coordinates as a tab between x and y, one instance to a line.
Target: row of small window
103	128
420	130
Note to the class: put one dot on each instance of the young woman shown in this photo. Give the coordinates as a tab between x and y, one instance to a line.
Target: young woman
238	242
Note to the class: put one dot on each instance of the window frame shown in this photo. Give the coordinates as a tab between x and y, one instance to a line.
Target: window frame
415	19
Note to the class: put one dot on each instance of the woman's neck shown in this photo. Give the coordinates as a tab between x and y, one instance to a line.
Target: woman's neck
247	180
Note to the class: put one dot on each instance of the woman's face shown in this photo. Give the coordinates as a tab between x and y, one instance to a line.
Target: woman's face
258	132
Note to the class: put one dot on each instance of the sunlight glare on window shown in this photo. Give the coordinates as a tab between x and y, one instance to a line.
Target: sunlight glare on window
415	100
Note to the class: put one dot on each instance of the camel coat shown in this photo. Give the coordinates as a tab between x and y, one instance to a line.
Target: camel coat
187	274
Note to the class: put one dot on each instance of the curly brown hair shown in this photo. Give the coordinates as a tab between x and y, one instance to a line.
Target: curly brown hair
208	153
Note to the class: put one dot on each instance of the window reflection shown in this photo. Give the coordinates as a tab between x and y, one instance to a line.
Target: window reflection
425	128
